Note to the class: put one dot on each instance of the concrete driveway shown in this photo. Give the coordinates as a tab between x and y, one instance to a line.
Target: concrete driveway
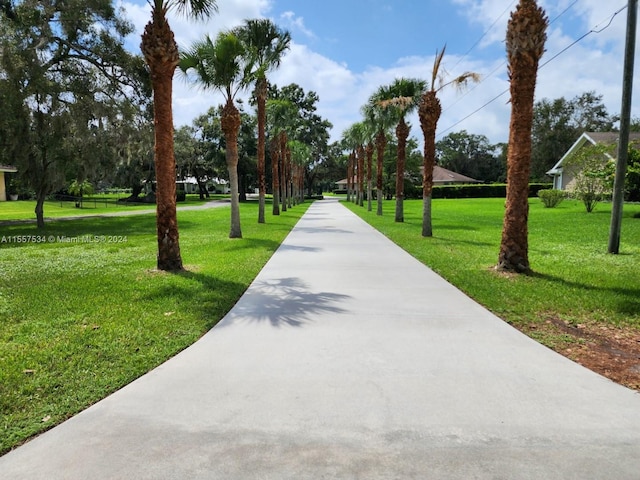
348	359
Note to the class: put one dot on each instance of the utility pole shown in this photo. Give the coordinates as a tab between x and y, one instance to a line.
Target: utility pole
625	120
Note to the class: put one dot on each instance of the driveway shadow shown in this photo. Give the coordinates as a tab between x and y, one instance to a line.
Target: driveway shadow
283	302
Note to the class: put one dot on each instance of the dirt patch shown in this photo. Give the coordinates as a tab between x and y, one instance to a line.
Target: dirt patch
611	351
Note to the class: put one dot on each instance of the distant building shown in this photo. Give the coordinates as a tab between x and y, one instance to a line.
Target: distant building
441	176
563	178
213	185
3	186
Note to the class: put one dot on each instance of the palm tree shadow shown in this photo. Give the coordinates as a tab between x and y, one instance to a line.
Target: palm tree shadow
628	303
299	248
282	302
322	230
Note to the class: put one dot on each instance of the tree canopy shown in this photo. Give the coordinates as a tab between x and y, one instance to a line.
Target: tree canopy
69	83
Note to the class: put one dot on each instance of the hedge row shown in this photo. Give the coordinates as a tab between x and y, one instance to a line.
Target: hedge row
496	190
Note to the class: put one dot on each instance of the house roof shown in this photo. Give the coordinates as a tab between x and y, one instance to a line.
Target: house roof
594	138
441	175
8	168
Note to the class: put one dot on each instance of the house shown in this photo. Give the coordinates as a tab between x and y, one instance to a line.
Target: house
441	176
563	178
3	186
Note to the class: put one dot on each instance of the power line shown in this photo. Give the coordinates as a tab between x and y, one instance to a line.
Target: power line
593	30
467	92
486	32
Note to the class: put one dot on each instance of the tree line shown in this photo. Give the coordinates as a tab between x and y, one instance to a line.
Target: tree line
78	108
388	107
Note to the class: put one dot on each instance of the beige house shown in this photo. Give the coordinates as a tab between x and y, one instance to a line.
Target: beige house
3	186
564	178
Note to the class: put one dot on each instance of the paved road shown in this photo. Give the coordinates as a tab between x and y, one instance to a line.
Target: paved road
347	358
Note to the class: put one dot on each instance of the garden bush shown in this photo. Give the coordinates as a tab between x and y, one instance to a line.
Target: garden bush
550	197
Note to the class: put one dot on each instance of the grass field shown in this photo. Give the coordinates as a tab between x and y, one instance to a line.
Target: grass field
94	205
83	312
574	280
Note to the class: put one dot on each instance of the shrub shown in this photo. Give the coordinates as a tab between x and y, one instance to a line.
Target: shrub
494	190
551	198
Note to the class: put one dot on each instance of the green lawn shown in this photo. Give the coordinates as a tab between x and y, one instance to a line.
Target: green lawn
80	320
94	205
575	279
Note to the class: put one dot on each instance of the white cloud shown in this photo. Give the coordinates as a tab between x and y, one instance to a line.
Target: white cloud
291	21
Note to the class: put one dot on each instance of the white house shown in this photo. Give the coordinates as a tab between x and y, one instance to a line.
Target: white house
3	187
563	177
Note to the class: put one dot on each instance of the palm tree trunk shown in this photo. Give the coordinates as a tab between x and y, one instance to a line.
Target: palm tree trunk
361	176
288	177
526	36
230	123
381	143
275	174
402	132
349	176
429	113
167	221
514	245
161	54
369	152
283	172
261	95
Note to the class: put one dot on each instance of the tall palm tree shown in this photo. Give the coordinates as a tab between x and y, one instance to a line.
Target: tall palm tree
265	44
282	115
400	99
220	65
369	153
284	157
526	37
160	51
275	172
350	162
354	138
300	155
429	112
381	121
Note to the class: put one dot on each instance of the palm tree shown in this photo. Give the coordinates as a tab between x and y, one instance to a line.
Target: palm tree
380	122
400	99
221	66
160	51
354	138
282	115
284	158
265	44
275	172
350	162
429	112
526	36
369	152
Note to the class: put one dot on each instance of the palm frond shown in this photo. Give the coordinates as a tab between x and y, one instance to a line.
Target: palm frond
436	75
198	9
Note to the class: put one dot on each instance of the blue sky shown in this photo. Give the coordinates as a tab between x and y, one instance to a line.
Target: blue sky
344	49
